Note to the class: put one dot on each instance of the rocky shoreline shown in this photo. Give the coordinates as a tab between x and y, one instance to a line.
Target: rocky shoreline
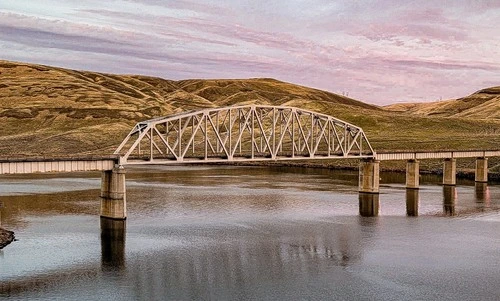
6	237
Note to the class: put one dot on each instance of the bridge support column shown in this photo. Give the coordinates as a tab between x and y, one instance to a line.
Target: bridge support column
450	172
369	175
412	174
113	194
482	170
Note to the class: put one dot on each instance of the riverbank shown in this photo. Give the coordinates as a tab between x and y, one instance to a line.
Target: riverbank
6	237
465	167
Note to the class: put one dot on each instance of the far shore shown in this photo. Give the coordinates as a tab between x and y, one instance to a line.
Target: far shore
461	174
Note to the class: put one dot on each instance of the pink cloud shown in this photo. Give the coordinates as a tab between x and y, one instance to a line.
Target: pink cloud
379	49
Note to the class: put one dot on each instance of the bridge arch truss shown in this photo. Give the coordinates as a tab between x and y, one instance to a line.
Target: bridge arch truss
243	133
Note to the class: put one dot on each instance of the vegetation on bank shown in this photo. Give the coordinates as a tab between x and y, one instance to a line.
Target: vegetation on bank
48	111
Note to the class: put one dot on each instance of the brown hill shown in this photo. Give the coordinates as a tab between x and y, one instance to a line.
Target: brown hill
46	109
483	104
54	111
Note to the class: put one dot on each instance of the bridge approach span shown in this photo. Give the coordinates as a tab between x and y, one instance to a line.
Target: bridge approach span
243	133
388	156
67	164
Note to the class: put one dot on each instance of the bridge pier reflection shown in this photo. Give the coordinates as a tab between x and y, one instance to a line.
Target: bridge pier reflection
481	192
369	204
412	200
112	244
449	199
482	196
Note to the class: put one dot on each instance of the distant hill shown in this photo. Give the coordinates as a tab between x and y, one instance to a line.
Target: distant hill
483	104
54	111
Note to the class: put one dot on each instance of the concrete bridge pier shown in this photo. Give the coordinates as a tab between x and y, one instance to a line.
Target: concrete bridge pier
412	174
369	178
113	194
482	170
450	171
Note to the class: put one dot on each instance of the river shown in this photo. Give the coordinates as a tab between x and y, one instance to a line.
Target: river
248	233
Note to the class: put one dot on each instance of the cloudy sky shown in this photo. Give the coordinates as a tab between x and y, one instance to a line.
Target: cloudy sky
378	51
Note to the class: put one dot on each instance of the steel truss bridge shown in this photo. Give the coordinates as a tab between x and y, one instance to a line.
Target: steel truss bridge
242	133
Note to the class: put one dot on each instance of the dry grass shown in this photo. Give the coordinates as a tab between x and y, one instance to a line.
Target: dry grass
54	111
484	104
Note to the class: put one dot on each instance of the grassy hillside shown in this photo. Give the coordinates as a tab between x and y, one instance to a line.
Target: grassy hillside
483	104
53	111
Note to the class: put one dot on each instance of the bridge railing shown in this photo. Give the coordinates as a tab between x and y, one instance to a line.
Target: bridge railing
243	133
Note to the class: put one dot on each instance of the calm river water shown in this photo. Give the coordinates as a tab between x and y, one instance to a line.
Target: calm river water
248	233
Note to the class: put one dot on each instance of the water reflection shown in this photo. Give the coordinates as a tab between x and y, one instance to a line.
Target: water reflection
368	204
482	194
412	200
112	244
205	239
449	200
236	268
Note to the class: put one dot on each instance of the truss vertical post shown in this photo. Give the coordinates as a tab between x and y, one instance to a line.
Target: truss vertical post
217	129
294	114
167	131
230	133
346	137
151	145
206	134
192	133
274	151
299	149
240	129
329	136
311	149
261	130
252	131
281	129
179	136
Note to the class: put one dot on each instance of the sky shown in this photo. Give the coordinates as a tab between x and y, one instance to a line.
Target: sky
376	51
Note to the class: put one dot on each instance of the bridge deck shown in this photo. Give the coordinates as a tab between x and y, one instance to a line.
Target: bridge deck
436	155
40	165
74	164
194	160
